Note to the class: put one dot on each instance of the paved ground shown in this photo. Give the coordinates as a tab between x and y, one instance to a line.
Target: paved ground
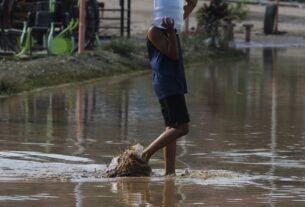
292	19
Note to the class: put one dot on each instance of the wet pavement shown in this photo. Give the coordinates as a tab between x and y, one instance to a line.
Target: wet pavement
246	144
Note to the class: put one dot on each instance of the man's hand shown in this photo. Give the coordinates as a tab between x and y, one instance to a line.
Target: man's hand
188	8
168	23
191	2
166	44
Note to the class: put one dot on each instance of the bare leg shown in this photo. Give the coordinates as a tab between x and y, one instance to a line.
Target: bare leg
170	158
170	135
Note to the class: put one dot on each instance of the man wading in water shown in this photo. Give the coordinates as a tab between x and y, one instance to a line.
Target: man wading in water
169	85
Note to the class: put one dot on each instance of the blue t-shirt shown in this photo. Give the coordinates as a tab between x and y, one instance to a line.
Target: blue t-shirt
168	75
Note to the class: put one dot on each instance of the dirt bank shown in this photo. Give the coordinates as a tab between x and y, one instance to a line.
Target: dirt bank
115	57
27	74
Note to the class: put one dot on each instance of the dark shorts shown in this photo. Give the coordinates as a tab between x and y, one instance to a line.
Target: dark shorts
174	110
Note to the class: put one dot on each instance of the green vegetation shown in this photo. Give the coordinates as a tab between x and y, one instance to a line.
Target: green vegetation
211	16
124	47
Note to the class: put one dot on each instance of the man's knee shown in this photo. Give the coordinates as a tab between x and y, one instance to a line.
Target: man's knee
184	129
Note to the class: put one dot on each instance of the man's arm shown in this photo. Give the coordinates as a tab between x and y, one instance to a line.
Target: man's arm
166	44
188	8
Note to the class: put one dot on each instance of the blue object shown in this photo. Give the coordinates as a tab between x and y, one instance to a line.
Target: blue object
168	75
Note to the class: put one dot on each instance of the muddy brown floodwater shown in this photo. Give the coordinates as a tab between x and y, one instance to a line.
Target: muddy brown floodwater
246	146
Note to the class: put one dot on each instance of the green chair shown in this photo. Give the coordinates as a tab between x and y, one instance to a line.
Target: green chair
40	34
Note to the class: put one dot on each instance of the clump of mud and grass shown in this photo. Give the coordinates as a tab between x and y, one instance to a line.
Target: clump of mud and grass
129	164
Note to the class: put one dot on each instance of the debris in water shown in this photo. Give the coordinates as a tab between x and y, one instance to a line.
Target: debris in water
208	174
129	164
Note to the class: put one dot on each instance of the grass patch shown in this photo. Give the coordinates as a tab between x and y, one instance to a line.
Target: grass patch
122	46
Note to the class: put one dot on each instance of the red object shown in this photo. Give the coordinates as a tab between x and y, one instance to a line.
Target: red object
276	19
81	28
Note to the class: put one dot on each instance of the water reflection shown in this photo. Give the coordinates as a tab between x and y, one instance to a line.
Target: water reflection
80	121
78	195
137	192
270	64
49	124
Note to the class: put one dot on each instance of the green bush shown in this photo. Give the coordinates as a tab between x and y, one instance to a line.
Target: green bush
210	17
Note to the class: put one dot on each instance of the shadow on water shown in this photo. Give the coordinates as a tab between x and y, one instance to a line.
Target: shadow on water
246	142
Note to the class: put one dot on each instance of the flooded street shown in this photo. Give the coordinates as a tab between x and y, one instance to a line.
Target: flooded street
246	145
